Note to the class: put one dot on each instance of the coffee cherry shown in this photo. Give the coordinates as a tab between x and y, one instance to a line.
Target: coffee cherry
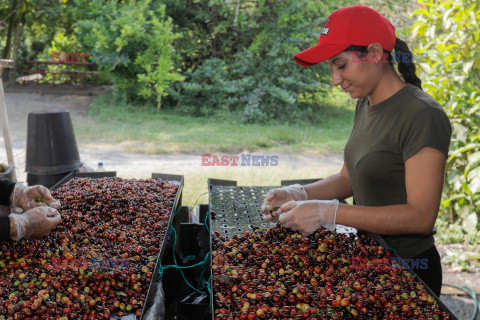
279	274
83	269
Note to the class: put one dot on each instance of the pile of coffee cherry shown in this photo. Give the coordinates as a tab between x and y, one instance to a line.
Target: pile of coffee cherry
98	262
280	274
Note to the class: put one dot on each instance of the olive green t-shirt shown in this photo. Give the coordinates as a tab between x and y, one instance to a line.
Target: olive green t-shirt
383	137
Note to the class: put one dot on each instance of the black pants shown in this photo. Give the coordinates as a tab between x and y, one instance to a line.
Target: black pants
432	275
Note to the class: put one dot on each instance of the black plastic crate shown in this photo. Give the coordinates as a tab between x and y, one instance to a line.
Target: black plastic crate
173	179
234	209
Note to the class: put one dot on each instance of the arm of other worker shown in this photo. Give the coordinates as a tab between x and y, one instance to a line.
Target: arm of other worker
6	190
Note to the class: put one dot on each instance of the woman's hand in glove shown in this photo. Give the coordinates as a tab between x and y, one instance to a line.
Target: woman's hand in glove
35	223
277	197
24	198
308	216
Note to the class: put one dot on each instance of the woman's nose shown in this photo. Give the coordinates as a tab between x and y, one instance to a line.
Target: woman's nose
336	78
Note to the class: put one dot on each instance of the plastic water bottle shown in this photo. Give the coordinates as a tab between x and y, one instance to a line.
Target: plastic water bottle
100	167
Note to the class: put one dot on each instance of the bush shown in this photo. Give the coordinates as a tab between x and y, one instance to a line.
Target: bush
141	30
61	43
449	38
261	77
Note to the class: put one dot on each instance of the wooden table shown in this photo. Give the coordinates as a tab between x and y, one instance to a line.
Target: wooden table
41	67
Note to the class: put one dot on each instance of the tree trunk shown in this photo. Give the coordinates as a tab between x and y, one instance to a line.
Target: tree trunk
11	25
12	73
237	10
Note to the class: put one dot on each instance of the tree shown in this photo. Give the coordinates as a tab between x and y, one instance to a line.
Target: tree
35	18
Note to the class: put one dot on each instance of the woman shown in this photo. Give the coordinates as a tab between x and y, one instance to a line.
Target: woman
394	160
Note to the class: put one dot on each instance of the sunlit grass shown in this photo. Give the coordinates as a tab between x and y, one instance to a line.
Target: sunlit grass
147	130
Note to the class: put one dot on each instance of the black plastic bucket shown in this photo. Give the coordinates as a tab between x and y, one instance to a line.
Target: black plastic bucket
51	147
7	174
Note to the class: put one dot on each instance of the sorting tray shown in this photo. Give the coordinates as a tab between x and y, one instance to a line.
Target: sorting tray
171	178
234	209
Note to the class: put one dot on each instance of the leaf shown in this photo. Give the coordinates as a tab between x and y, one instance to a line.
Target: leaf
467	66
473	160
456	179
473	178
460	132
446	21
426	68
458	196
464	211
469	224
464	149
447	3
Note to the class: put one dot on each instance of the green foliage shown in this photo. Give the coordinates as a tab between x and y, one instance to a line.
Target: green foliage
210	29
41	20
449	34
142	31
257	74
462	258
234	55
398	12
62	43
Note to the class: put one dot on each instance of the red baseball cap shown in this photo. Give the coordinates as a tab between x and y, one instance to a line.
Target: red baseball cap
355	25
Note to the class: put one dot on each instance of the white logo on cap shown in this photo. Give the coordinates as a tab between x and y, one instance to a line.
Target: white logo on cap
325	30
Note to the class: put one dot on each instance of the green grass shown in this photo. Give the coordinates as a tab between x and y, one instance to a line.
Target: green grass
147	130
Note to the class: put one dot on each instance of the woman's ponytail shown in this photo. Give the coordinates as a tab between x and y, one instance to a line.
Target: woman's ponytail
406	67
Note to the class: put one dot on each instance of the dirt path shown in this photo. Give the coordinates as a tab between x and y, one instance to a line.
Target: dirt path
76	101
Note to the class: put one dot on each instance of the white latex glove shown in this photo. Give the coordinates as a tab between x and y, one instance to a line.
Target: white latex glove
36	222
308	216
24	198
275	198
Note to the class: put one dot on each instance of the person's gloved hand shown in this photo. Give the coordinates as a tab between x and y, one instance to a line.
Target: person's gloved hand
24	198
308	216
36	222
277	197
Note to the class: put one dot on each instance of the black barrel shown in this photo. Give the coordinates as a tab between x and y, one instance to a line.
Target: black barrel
51	147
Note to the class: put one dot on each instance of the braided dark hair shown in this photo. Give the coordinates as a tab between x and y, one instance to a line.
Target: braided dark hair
406	67
403	56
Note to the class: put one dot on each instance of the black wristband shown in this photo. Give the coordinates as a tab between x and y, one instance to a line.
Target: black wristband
4	228
6	189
